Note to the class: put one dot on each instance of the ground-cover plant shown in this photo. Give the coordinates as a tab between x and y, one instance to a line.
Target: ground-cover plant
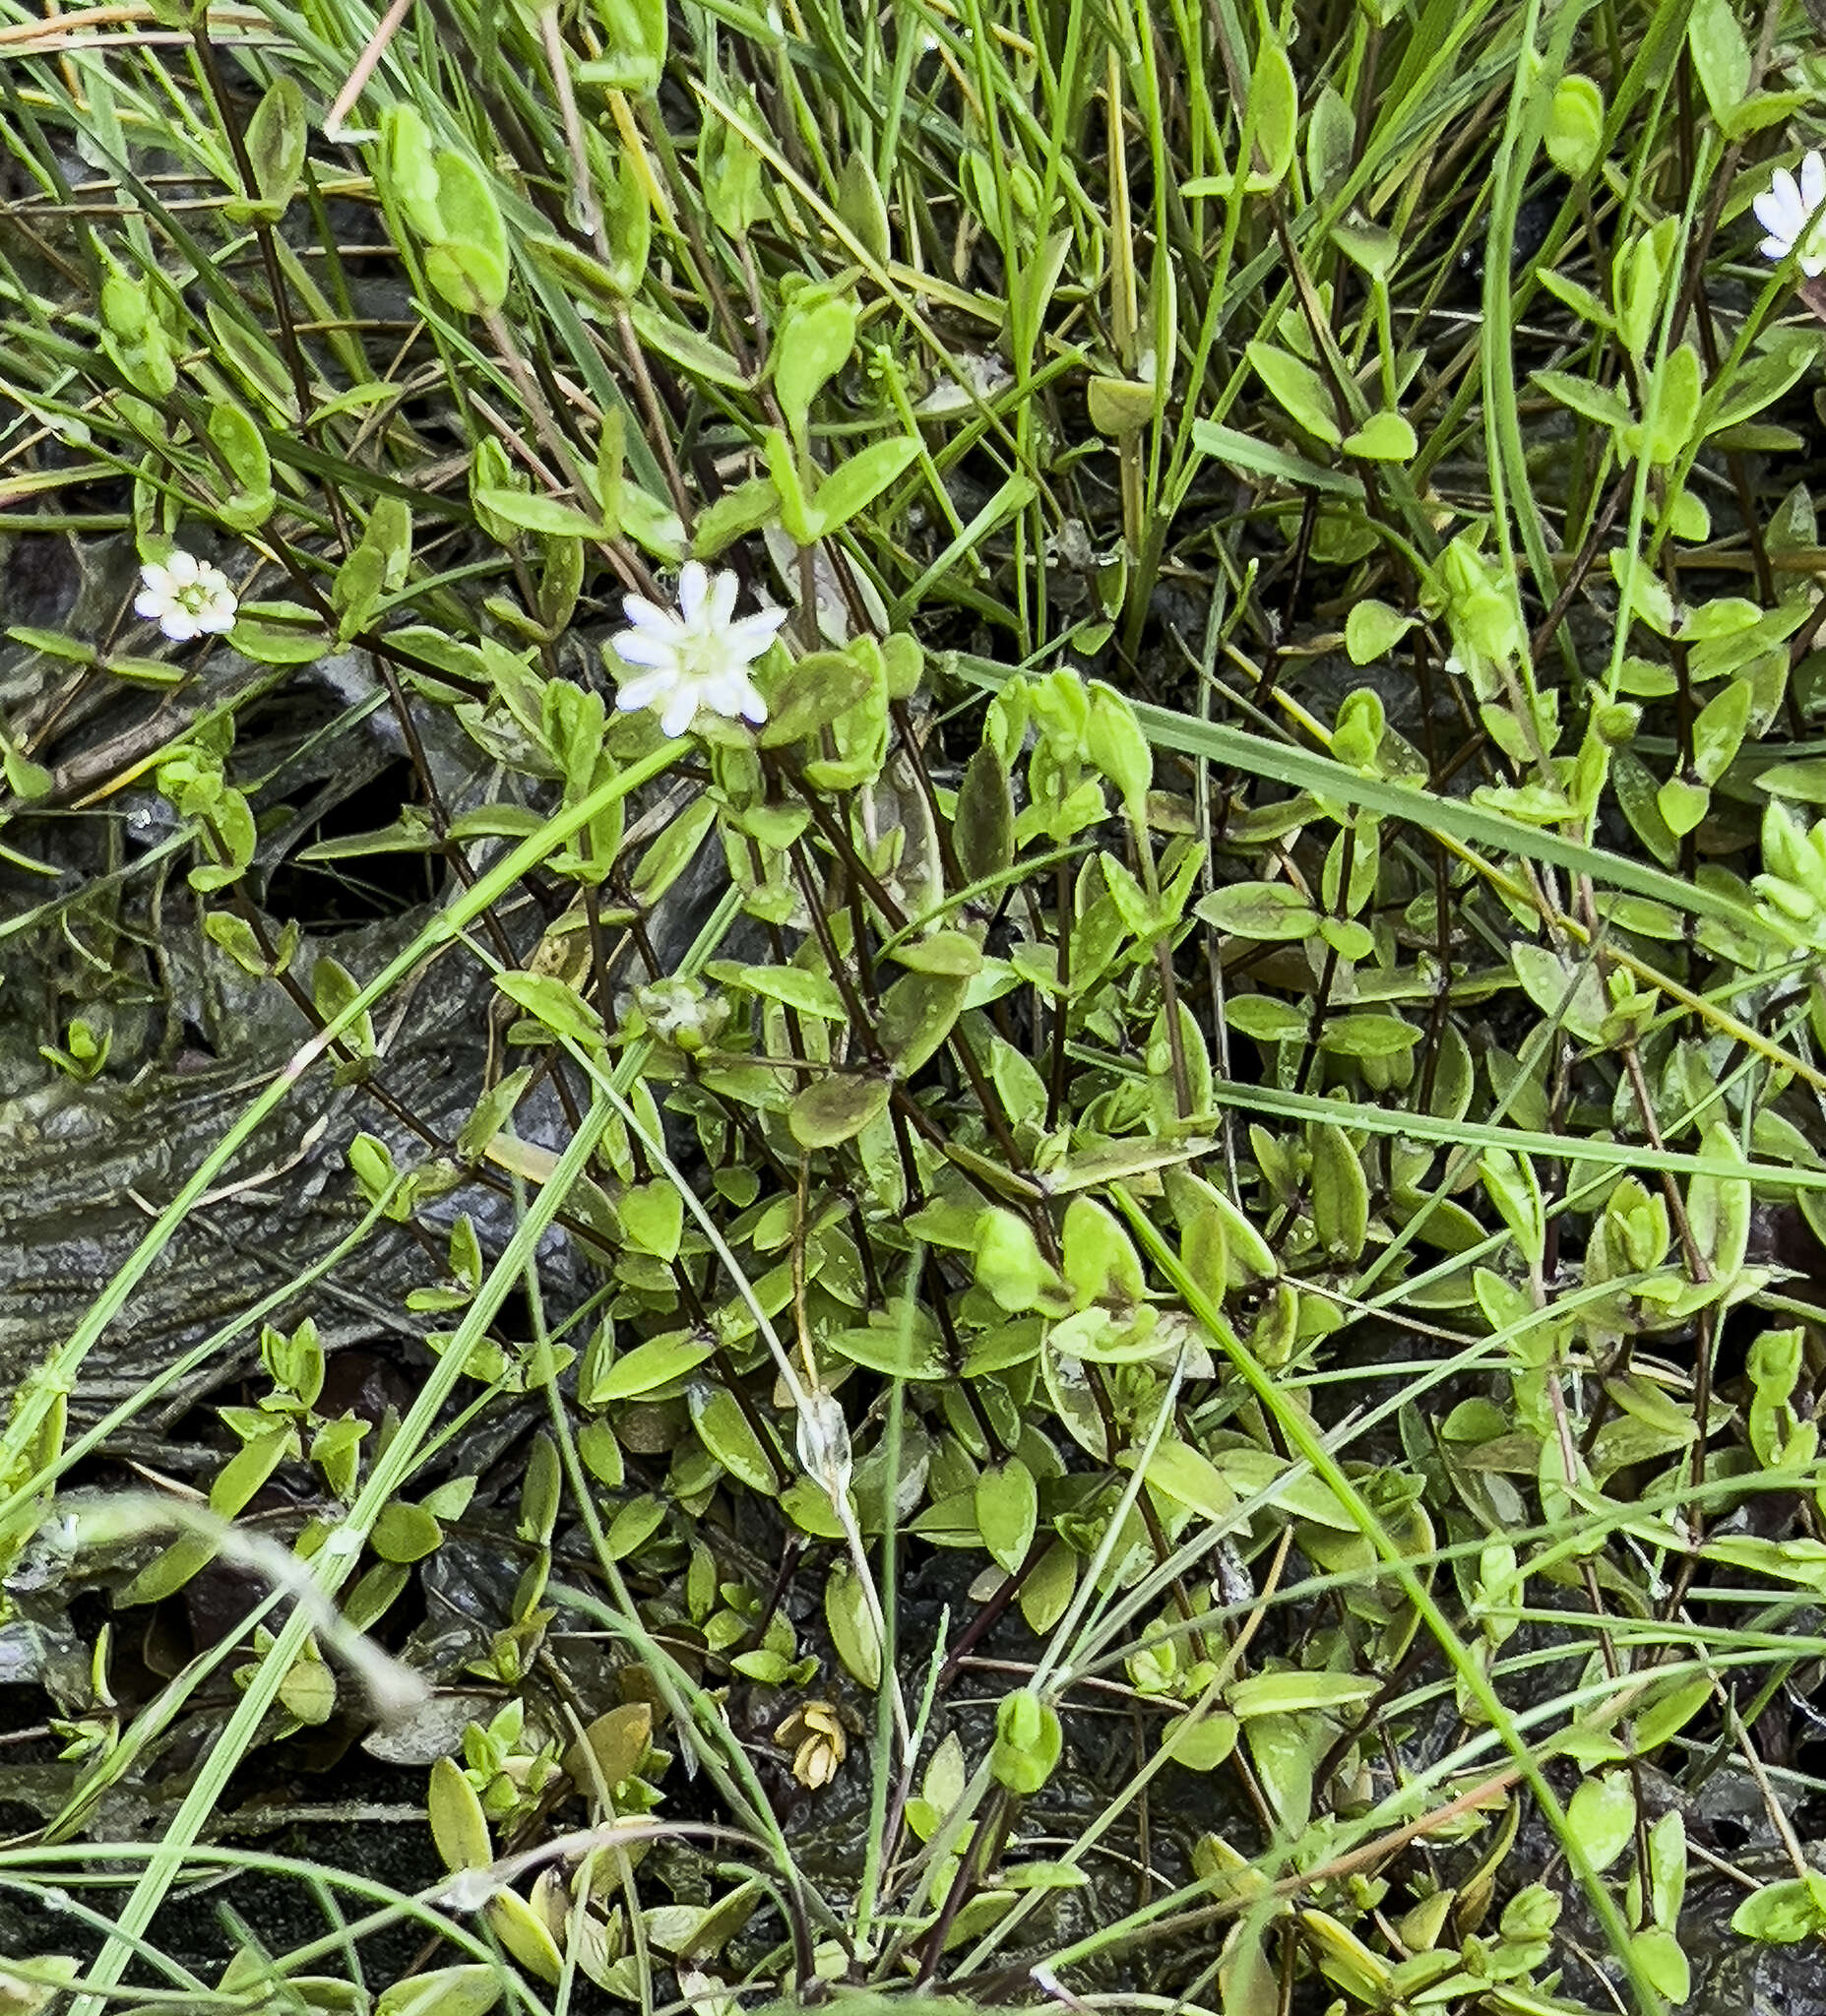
939	895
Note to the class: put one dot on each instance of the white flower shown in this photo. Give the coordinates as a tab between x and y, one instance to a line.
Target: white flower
694	658
186	597
1791	215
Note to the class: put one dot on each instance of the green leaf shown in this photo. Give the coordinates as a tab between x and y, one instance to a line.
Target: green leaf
459	1826
1782	1913
1339	1194
813	692
1718	733
854	484
1200	1744
1186	1475
1047	1592
694	355
1274	114
1263	912
555	1003
445	1992
1595	403
653	1218
405	1532
730	1436
524	1934
1602	1814
793	987
835	1109
1720	55
814	341
280	633
1298	389
1368	1035
852	1625
1383	437
1574	135
634	1525
1293	1693
633	39
1371	631
535	512
1572	994
1007	1511
916	1016
275	140
659	1361
1718	1206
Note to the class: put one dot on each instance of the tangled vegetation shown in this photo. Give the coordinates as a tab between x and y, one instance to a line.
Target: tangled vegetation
1109	1296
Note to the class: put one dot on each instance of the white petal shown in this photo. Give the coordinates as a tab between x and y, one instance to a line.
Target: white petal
645	615
732	693
692	584
724	692
212	579
749	638
182	569
648	689
218	618
155	576
1771	212
1812	261
724	588
1812	182
179	625
1778	206
1774	249
634	648
679	711
152	603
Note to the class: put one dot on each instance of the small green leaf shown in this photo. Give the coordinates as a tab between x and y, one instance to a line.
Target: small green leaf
653	1218
1720	55
1293	1693
1007	1511
1027	1742
634	1525
405	1532
555	1003
1339	1194
1200	1744
1383	437
1274	114
852	1625
854	484
1370	632
1575	127
1602	1814
444	1991
276	140
816	336
1264	911
459	1826
835	1109
1298	389
659	1361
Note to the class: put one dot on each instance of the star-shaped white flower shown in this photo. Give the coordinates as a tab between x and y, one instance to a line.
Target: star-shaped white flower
697	656
1791	213
186	597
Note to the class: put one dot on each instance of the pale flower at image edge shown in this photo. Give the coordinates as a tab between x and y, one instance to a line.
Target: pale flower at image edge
697	656
1791	213
186	597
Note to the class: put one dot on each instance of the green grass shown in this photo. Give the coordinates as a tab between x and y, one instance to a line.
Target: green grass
1263	1019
